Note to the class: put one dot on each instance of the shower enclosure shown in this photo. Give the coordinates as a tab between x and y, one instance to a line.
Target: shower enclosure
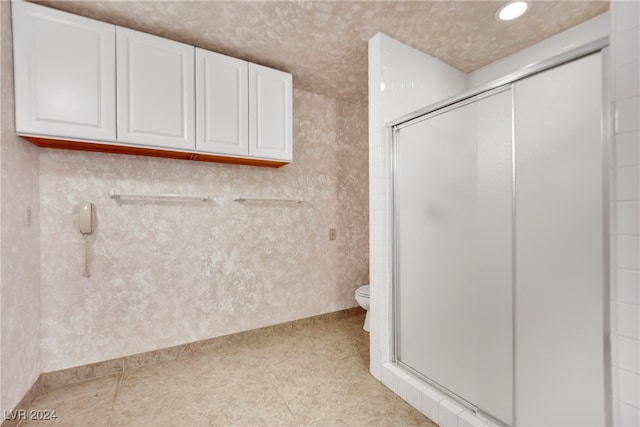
499	269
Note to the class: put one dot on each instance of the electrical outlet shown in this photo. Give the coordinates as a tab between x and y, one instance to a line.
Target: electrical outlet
332	234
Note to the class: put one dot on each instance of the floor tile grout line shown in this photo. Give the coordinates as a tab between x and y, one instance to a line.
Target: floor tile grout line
296	419
112	412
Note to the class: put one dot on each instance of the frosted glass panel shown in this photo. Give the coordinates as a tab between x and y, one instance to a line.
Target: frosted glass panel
559	349
493	272
436	182
453	212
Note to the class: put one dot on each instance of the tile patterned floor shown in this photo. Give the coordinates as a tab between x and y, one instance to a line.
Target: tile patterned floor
315	376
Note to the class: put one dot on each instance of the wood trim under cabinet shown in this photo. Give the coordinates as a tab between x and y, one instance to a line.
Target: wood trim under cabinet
237	161
149	152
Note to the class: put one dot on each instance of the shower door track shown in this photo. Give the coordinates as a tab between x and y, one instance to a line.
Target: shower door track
527	71
460	400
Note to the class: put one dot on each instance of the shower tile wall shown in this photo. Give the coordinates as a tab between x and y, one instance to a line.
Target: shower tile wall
625	304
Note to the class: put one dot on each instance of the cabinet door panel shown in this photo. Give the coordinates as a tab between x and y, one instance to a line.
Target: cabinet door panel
222	109
155	91
65	82
270	113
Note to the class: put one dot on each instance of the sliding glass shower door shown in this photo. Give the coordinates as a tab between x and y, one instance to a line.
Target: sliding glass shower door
500	249
453	247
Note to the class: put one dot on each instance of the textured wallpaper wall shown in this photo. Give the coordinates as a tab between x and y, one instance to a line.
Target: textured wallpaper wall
167	273
19	278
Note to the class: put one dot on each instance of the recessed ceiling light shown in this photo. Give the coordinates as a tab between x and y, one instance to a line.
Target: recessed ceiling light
511	10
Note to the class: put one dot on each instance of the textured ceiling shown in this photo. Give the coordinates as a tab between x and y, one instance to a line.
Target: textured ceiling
324	43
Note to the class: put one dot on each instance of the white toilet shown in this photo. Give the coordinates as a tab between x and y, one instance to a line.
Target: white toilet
362	297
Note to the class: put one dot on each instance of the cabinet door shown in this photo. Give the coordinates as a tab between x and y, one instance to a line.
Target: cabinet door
65	83
222	124
270	113
156	91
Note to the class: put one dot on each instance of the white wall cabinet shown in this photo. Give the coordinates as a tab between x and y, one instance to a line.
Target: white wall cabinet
242	108
222	104
270	113
156	89
64	70
87	85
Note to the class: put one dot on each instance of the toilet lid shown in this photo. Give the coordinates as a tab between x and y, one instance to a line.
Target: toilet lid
363	290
